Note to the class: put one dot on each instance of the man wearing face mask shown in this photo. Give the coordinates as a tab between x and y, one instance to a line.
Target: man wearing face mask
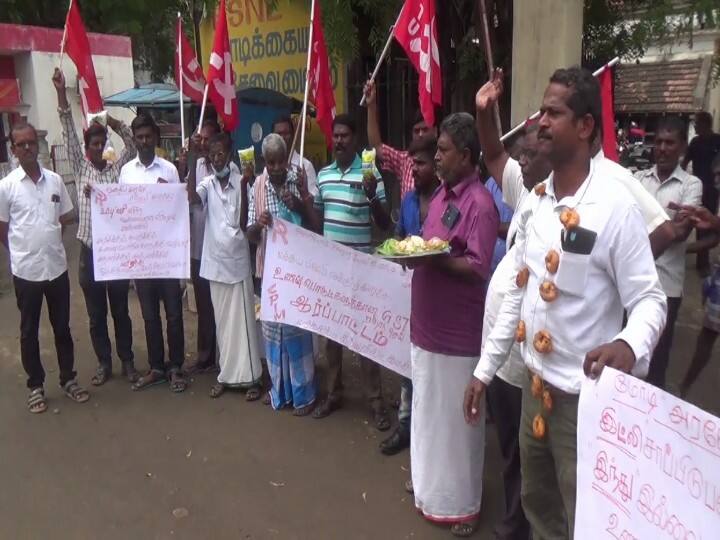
226	265
147	168
90	168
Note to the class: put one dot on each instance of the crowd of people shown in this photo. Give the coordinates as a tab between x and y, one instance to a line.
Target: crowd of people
561	263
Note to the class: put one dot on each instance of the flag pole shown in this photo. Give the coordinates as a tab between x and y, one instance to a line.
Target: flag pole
202	108
536	114
62	43
182	76
489	60
383	54
307	82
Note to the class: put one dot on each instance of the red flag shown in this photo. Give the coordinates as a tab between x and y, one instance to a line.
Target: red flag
77	47
321	89
416	31
221	79
608	115
193	80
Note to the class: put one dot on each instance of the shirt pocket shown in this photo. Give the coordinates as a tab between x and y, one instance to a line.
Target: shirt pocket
50	210
572	274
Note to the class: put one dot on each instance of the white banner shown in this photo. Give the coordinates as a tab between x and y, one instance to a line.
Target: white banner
648	464
140	231
355	299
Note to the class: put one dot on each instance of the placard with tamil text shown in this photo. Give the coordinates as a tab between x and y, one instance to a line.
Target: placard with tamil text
355	299
648	463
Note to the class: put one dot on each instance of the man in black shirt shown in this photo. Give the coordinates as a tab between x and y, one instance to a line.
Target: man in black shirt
702	150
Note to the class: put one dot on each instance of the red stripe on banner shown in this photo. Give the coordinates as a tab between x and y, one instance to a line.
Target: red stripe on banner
19	38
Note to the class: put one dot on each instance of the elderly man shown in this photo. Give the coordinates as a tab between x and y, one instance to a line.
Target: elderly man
148	168
282	193
226	265
285	127
34	207
583	258
448	295
349	203
90	168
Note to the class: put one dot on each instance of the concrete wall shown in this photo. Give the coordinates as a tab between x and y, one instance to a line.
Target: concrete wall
34	69
546	35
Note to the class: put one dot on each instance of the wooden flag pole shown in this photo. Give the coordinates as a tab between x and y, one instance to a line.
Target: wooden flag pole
489	60
182	76
536	114
383	54
307	82
62	43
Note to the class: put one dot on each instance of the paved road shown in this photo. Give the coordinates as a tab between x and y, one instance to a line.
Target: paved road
118	466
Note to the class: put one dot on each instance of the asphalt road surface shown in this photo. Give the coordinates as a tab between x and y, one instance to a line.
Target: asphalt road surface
154	465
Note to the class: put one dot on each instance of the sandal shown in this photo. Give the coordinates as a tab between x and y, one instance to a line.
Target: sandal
464	529
36	401
197	368
266	399
177	382
382	422
326	408
102	375
129	371
409	487
217	390
75	392
304	411
151	378
253	394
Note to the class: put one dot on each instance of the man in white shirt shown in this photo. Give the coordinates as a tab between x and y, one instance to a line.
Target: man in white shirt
226	265
668	182
34	208
147	168
285	127
575	279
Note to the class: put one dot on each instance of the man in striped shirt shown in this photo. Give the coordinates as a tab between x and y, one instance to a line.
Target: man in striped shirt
89	168
398	162
349	203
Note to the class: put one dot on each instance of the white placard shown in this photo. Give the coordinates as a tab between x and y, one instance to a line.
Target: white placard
140	231
358	300
648	464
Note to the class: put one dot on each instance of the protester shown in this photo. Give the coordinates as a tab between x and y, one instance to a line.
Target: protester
448	295
349	204
226	265
396	161
148	168
668	182
706	221
505	213
89	168
282	193
700	152
569	298
504	395
206	335
285	127
413	211
34	208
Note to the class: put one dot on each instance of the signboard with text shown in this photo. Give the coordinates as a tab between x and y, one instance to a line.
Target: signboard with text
648	463
355	299
140	231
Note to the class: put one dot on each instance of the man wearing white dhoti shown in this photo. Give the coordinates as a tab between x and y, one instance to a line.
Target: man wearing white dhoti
448	295
225	264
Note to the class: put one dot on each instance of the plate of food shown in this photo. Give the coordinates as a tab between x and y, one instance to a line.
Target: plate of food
412	247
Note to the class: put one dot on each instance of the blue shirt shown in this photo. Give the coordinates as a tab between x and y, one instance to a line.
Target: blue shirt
505	213
409	222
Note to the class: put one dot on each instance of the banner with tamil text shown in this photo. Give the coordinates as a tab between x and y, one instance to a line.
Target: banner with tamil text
140	231
648	463
358	300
